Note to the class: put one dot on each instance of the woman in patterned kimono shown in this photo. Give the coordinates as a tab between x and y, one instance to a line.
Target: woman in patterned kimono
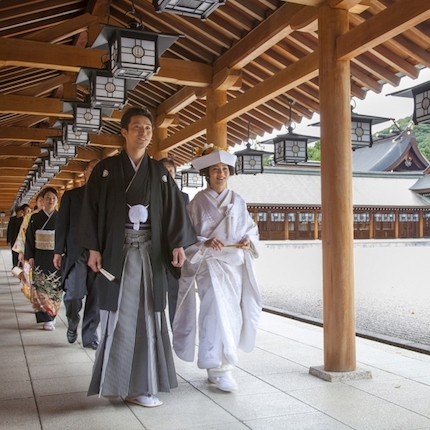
39	244
221	264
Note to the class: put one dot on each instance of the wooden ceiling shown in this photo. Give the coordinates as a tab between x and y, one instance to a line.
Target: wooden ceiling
262	52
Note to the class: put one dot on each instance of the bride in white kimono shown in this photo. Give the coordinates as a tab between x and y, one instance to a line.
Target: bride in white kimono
221	264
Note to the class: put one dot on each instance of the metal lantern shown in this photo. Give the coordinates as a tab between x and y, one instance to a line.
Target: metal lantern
249	161
191	178
133	53
421	96
195	8
74	137
57	161
70	135
86	118
290	148
106	91
62	149
48	168
361	129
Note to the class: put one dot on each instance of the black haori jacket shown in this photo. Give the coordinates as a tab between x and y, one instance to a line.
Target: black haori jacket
103	218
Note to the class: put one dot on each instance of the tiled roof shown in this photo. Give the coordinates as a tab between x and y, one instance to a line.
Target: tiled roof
301	189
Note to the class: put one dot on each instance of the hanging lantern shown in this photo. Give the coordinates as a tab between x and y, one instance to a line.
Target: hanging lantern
74	137
64	150
290	148
249	161
133	53
195	8
421	96
50	168
191	178
70	135
86	118
361	129
422	104
106	91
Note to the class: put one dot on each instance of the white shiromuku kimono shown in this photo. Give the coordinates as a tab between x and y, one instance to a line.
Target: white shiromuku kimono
230	301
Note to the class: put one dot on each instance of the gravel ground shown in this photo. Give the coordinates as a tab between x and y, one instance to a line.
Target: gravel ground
392	289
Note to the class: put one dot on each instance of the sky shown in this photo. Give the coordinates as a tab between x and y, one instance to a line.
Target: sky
376	105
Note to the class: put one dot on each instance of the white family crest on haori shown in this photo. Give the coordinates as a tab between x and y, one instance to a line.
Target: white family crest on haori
164	178
105	173
138	214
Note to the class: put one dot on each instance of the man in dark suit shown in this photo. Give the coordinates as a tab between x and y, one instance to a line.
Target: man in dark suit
78	278
173	283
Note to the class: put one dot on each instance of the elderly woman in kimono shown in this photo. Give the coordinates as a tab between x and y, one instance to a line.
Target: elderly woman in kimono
221	264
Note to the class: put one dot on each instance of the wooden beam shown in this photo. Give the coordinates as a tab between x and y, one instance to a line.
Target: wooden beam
23	134
387	24
17	52
292	76
273	29
47	86
9	173
227	79
194	130
26	53
32	105
11	163
106	140
182	72
177	101
63	30
19	151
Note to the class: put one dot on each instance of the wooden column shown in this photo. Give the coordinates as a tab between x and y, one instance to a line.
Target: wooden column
396	225
336	195
316	224
160	133
421	225
286	227
371	224
216	132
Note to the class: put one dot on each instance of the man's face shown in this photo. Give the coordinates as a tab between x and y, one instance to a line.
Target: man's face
139	133
170	169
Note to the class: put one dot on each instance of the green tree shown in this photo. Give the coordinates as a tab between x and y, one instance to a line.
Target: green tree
314	151
421	131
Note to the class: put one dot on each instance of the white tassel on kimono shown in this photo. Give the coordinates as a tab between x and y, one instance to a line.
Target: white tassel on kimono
138	214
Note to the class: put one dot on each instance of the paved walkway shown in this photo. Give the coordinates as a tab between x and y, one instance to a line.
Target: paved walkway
44	380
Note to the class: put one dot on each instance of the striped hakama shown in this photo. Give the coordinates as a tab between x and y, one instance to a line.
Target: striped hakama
134	356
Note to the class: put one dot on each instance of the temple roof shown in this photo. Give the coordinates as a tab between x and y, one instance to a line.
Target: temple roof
294	187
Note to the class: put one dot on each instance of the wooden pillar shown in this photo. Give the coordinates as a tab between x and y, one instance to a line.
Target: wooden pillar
371	224
396	224
286	227
421	224
336	195
216	132
316	224
159	134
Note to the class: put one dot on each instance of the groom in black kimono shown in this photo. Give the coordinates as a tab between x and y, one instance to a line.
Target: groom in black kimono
135	225
78	278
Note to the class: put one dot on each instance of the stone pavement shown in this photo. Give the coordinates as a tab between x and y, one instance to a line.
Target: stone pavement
44	380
